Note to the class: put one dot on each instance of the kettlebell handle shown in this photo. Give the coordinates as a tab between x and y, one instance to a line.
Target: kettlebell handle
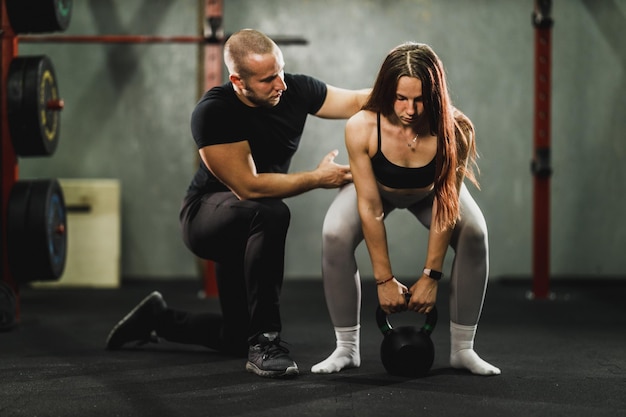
382	319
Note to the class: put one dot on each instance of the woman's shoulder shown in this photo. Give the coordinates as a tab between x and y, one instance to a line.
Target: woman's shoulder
361	123
360	129
362	118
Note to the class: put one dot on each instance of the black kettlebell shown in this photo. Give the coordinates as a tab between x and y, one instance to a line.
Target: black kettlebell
407	351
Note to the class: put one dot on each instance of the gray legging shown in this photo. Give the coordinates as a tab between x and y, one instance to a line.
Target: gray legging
342	234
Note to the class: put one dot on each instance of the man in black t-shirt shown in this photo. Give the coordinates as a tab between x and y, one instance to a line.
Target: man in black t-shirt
247	131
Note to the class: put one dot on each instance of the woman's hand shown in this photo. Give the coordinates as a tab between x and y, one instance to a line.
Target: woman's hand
391	296
423	295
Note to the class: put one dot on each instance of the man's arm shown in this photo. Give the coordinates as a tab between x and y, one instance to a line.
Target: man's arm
233	165
341	103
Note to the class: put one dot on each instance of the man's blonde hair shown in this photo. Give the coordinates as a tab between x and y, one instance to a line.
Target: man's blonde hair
243	43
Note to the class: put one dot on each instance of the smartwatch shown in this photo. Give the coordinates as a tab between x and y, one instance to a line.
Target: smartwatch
436	275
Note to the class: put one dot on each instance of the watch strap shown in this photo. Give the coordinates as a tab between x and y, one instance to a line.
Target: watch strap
436	275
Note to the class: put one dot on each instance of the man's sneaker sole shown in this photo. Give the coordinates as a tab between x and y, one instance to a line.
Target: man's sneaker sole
118	326
290	372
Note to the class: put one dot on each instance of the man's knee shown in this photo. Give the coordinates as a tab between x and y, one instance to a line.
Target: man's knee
274	213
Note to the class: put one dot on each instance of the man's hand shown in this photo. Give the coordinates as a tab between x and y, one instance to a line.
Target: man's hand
331	174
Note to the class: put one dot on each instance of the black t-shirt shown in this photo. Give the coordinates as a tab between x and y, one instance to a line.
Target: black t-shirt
273	133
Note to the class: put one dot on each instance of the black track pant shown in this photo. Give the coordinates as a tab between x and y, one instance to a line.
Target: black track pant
246	240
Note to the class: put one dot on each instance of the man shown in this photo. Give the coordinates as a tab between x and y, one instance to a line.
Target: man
247	131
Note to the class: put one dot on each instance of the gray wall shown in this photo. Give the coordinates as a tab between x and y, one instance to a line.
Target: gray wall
127	117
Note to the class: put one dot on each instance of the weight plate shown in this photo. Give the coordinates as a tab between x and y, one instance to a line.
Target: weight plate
39	16
8	307
36	231
33	106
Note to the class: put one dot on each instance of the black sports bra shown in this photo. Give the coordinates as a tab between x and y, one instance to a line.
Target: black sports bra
395	176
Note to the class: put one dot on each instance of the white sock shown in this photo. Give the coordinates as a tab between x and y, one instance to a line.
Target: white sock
346	355
462	354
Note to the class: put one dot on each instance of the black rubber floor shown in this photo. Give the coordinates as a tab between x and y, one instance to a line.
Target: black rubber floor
564	357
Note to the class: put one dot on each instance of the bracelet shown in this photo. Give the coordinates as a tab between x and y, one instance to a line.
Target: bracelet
384	281
431	273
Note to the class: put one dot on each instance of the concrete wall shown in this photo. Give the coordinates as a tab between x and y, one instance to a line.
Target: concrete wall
128	107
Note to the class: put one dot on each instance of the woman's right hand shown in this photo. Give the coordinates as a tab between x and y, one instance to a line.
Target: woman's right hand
391	296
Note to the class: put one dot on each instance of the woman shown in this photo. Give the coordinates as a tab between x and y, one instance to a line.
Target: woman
408	148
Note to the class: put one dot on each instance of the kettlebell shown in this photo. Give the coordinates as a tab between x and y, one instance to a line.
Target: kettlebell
406	350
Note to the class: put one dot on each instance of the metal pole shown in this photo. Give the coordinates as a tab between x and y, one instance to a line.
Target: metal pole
541	164
212	38
213	29
8	157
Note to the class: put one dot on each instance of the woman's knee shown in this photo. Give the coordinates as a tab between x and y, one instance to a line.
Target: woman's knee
342	224
473	236
338	235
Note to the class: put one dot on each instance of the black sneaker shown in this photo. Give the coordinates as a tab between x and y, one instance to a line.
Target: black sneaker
138	325
268	358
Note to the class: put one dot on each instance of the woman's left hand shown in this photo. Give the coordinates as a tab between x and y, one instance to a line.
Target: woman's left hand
423	295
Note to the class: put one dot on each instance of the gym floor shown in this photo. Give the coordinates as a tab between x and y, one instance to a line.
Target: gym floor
563	357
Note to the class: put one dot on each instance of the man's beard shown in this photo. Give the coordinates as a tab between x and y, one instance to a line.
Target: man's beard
256	100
